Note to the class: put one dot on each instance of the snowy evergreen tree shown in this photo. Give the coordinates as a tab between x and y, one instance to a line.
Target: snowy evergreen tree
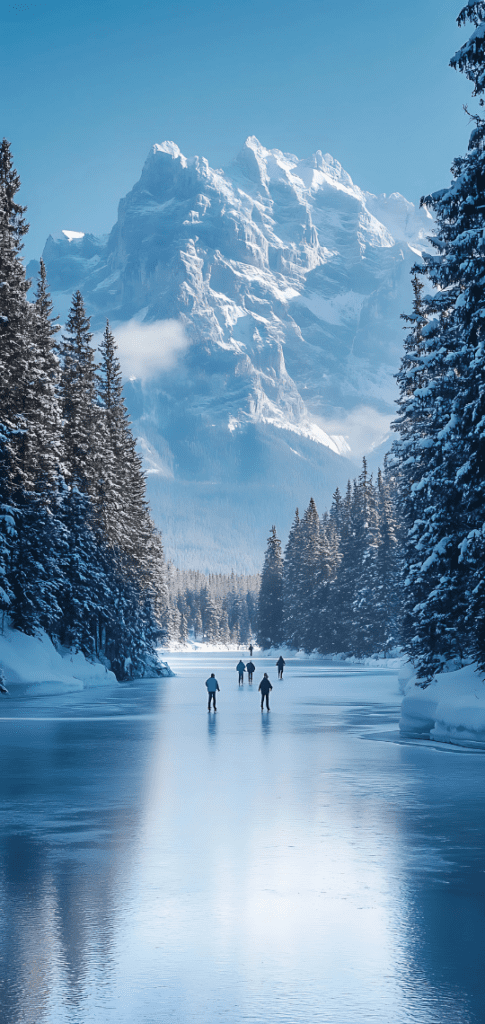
327	609
45	408
270	607
366	635
14	308
441	420
83	454
291	577
343	587
388	596
309	578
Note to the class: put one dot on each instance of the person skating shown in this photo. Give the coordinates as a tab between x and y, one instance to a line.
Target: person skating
240	669
281	664
265	687
212	688
250	669
250	650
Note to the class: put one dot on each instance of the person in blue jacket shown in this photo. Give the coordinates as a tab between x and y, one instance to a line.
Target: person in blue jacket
250	667
212	688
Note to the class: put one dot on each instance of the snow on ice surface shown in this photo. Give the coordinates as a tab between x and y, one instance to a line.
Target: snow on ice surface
451	709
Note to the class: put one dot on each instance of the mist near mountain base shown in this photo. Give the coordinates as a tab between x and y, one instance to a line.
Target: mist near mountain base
146	349
363	428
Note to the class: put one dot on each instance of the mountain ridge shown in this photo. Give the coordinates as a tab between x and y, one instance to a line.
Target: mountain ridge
285	282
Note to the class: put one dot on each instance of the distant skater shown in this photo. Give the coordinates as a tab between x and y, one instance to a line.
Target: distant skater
265	687
212	688
251	651
240	669
281	664
250	669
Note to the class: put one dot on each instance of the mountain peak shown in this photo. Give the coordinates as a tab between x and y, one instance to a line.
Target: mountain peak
252	161
171	149
264	301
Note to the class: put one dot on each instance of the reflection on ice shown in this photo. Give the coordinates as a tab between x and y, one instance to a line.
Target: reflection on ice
272	868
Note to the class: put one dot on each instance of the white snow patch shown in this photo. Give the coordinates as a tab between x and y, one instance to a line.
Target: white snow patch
73	234
451	709
171	149
34	660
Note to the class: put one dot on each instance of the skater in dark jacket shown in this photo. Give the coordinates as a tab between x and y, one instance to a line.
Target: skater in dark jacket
250	669
265	687
281	664
240	670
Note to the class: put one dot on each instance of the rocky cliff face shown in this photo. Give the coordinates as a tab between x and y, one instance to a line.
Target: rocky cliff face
257	310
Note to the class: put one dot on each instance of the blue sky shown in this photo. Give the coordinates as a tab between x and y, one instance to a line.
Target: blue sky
88	87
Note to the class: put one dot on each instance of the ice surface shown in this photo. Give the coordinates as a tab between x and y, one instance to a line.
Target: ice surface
162	864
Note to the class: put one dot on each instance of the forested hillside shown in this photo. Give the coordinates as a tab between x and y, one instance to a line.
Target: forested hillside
216	608
337	587
80	557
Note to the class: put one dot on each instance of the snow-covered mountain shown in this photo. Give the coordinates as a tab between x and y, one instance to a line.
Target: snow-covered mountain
257	312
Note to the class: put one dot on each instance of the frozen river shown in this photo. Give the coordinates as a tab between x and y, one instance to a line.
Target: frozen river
159	865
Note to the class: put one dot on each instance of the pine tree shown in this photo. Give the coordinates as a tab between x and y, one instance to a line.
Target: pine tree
291	573
342	590
365	633
270	606
14	310
309	577
445	555
78	388
15	359
327	626
387	598
45	420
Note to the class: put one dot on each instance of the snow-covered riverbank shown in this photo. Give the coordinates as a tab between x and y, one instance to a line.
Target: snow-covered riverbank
35	665
451	709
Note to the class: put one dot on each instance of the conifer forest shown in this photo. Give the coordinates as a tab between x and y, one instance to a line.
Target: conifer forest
80	557
337	587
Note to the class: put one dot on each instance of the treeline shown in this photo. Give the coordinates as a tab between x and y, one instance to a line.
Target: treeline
336	589
217	608
79	555
441	450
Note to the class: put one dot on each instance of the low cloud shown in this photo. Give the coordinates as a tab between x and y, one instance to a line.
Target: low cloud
363	428
146	349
